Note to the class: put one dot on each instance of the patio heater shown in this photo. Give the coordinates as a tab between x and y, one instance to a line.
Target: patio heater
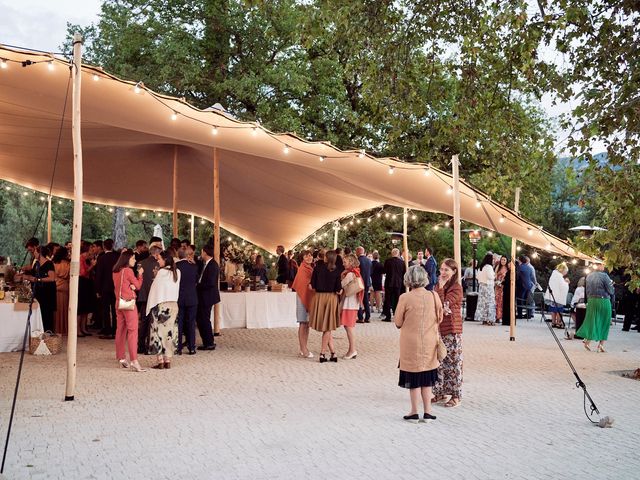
472	297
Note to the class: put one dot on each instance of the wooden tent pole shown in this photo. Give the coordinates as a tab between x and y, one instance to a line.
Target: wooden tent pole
49	219
72	338
216	230
193	221
405	241
512	286
175	191
457	252
336	229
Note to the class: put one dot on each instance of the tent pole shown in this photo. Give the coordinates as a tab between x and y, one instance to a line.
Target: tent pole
175	191
457	254
405	241
336	228
49	219
216	230
512	286
72	338
193	221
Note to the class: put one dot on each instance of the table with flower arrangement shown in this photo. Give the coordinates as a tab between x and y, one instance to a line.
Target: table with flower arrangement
257	309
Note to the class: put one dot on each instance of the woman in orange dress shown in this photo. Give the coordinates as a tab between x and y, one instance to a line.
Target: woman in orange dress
501	271
61	267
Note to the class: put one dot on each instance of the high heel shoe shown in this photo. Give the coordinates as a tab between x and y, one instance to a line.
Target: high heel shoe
323	358
601	349
333	358
159	366
123	363
308	355
135	366
586	345
351	357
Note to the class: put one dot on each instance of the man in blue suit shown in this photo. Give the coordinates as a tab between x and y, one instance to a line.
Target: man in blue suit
528	282
187	300
364	312
208	296
431	266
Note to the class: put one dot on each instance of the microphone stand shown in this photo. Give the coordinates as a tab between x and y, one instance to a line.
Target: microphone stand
27	329
579	382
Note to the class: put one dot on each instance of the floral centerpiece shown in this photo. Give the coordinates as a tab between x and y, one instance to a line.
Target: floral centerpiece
234	253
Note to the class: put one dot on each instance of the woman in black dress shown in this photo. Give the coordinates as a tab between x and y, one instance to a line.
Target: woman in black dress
43	281
377	270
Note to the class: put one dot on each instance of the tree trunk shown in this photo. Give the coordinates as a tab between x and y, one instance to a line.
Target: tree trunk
119	229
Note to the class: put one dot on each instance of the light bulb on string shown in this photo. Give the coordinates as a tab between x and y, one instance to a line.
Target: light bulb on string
351	222
286	149
174	116
518	248
214	130
414	216
50	66
201	222
137	89
369	220
427	171
361	154
189	220
478	204
144	214
42	199
96	208
391	169
378	214
446	224
502	219
158	214
25	194
449	190
534	255
59	202
127	213
436	227
394	216
387	215
7	188
111	209
529	231
490	234
321	158
228	239
574	262
3	64
358	221
95	77
554	257
344	227
254	131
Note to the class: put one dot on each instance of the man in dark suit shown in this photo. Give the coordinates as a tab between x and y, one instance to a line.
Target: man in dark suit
364	312
394	270
283	265
208	296
187	300
431	266
150	267
106	289
528	284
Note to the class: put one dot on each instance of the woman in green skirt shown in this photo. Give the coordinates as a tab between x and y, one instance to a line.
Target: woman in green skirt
599	292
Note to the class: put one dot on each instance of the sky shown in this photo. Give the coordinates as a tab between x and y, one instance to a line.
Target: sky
42	25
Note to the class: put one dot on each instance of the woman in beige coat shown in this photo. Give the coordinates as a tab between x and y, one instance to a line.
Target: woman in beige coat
418	315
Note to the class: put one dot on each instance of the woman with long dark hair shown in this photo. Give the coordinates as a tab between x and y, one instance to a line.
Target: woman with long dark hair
43	279
126	283
162	304
323	316
450	369
486	309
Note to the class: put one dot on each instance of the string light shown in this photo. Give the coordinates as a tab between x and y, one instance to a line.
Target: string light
50	66
391	170
158	214
502	219
321	158
414	216
449	190
96	208
378	214
95	77
446	224
427	171
127	213
42	199
25	194
358	221
111	209
574	261
189	220
490	234
174	116
344	227
387	215
60	203
254	130
436	227
369	220
201	222
228	239
394	216
529	231
351	222
214	130
286	149
137	88
554	257
518	248
361	154
478	204
7	188
534	255
144	214
3	64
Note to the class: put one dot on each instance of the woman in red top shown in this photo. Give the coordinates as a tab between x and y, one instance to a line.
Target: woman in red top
450	369
126	283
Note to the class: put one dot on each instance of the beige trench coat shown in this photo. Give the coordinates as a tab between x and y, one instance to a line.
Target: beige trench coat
418	315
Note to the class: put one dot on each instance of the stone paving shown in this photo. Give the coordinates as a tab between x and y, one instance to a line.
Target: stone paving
252	409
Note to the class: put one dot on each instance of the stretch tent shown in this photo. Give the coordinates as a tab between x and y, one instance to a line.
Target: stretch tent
274	188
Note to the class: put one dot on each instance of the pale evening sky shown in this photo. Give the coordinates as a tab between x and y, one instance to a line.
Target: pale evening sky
41	25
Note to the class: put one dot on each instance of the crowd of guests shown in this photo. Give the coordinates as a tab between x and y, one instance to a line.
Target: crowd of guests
149	299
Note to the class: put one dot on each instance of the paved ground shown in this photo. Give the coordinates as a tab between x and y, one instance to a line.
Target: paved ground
253	410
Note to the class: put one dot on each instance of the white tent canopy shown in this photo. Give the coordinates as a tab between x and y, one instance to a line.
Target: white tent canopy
274	188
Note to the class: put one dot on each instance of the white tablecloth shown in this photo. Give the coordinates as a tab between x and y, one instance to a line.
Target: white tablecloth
13	319
257	310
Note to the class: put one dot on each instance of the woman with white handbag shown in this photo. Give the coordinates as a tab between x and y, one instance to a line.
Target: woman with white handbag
352	297
126	284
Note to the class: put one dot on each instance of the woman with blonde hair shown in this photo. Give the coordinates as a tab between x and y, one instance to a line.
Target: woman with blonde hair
418	315
352	299
556	295
323	316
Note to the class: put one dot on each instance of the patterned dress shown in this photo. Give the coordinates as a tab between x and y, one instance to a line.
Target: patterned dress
499	290
486	309
164	329
450	369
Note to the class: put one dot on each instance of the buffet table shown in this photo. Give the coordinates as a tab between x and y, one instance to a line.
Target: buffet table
257	309
13	319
